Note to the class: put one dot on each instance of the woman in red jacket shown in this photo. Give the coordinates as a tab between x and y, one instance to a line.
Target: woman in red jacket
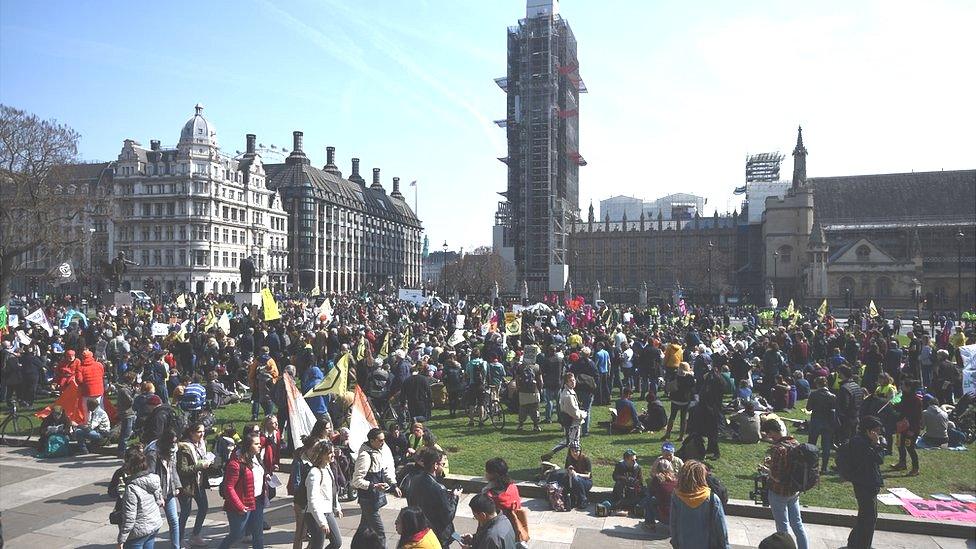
504	492
245	491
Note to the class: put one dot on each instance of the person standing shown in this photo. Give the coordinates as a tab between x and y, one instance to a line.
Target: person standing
372	479
909	426
849	399
571	416
823	419
161	459
245	483
141	520
602	360
866	454
528	381
192	462
438	503
784	501
694	504
323	498
125	394
494	529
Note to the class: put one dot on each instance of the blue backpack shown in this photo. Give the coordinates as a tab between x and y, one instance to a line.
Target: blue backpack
57	446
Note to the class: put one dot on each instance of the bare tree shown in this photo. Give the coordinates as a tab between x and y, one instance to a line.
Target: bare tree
39	207
475	273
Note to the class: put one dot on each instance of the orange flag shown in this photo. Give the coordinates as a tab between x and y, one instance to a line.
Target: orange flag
74	405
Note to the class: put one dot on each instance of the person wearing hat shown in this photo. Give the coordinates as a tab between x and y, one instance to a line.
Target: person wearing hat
667	454
628	483
578	480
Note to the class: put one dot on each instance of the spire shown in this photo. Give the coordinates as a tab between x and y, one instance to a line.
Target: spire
799	161
818	239
916	244
591	211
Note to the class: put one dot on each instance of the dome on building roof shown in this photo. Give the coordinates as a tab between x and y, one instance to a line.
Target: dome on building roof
198	131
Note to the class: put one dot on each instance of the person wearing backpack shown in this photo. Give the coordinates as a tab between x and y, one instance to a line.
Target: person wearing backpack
529	381
322	496
784	498
859	461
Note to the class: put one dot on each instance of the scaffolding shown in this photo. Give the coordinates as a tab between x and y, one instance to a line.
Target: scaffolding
763	167
542	125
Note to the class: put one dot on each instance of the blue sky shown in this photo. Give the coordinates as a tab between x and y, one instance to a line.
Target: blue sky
679	94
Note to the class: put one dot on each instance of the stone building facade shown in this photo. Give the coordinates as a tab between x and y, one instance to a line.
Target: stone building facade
904	240
190	214
345	235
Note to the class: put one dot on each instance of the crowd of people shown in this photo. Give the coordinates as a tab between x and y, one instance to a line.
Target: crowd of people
723	380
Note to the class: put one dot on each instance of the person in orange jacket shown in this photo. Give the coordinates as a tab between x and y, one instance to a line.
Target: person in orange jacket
66	370
90	376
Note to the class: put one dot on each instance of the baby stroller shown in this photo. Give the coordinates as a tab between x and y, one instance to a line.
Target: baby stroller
964	416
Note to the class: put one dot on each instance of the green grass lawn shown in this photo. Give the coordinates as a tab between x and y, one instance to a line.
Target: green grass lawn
468	448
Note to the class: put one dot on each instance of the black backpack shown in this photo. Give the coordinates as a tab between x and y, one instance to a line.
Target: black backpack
586	383
526	379
478	377
804	467
693	447
299	487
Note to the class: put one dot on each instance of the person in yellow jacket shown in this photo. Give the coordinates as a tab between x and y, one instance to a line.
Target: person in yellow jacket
958	339
414	530
673	355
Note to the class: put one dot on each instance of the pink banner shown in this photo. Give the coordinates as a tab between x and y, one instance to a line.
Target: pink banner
941	510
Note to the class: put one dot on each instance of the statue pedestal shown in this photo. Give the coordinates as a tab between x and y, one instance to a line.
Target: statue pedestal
118	299
248	298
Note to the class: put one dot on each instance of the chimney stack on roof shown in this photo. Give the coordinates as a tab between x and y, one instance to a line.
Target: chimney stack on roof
297	155
330	165
396	188
154	144
354	176
377	186
251	140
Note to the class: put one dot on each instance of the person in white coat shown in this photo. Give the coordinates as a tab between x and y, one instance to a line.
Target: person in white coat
323	498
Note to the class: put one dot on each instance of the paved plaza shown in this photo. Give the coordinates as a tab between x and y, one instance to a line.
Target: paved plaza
62	503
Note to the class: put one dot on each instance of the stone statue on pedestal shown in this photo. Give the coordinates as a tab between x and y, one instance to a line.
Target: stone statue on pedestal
119	266
247	274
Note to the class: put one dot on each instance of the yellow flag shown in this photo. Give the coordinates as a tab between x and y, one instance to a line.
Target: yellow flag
269	304
385	348
872	310
822	310
361	348
316	291
335	382
210	321
405	341
513	324
181	301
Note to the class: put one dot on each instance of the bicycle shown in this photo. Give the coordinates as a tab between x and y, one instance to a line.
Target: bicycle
488	408
16	424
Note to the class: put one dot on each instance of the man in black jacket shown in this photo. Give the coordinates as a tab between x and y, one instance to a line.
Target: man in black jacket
415	393
866	454
849	399
439	503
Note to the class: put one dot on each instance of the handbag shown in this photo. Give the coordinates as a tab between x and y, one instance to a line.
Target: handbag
520	523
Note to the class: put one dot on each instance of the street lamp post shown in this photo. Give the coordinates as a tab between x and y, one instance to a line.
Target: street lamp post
444	270
90	244
710	246
918	297
959	238
776	271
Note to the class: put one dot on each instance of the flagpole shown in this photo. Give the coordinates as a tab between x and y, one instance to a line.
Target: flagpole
416	190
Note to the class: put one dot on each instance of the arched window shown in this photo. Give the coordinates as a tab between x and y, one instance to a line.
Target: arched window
863	252
883	287
199	287
846	285
785	254
223	288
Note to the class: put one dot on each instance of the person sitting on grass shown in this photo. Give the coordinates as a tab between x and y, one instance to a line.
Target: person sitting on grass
626	420
746	424
628	483
656	417
744	393
667	454
657	498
